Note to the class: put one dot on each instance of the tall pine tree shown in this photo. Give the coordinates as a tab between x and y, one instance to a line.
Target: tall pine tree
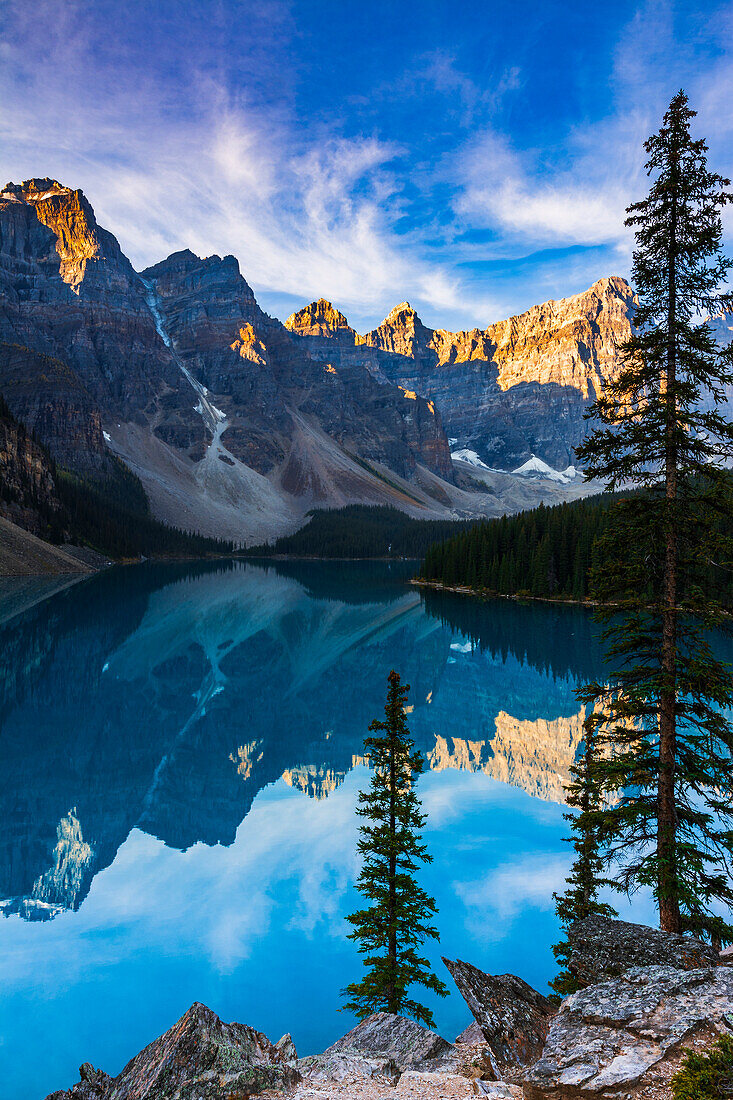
580	899
662	430
390	930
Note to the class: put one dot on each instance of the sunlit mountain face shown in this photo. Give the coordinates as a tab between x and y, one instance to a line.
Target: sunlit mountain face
182	755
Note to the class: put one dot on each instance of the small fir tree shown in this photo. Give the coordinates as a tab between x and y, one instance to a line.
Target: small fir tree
390	930
580	899
667	778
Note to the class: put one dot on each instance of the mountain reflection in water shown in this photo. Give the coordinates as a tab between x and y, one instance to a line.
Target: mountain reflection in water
197	706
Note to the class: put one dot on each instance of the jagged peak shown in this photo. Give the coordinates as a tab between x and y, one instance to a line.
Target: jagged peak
34	190
400	312
318	318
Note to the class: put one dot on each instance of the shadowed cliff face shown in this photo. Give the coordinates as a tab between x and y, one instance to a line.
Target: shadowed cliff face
231	424
517	388
166	698
262	375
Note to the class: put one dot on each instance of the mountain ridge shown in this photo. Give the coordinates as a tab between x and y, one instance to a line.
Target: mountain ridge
238	424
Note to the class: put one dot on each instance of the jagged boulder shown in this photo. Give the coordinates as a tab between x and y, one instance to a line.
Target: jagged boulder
199	1058
514	1018
387	1037
603	948
606	1038
286	1049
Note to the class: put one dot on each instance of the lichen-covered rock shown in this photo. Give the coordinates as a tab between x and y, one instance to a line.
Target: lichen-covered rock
513	1017
199	1058
605	948
605	1038
346	1068
388	1037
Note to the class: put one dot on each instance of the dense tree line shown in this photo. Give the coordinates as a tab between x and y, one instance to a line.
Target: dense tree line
113	517
544	552
361	531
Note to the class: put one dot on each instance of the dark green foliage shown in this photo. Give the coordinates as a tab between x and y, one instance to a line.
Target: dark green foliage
706	1076
549	553
112	516
580	899
390	930
361	531
545	552
664	741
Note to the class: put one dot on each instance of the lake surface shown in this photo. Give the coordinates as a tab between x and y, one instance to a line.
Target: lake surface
181	753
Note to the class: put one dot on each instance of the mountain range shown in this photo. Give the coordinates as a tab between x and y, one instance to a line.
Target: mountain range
237	424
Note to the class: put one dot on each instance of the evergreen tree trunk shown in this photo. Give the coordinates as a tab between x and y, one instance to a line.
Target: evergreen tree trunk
669	906
392	999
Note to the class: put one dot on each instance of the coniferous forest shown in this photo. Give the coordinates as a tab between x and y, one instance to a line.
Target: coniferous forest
545	552
361	531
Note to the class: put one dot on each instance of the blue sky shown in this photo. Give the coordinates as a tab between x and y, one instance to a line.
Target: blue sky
473	158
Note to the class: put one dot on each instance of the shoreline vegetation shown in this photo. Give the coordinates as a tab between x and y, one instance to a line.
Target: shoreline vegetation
487	594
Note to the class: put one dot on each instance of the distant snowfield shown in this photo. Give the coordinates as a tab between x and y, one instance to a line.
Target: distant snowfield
534	467
466	455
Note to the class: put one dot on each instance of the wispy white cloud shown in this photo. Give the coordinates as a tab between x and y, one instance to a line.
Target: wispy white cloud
577	192
216	174
511	889
203	145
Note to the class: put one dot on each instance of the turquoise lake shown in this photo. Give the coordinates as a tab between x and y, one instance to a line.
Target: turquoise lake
181	753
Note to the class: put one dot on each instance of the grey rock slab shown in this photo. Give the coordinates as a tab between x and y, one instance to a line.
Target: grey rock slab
606	1037
605	948
513	1017
471	1034
385	1036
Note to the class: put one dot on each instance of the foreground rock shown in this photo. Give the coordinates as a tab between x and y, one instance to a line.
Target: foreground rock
199	1058
385	1035
513	1017
608	1037
382	1046
604	948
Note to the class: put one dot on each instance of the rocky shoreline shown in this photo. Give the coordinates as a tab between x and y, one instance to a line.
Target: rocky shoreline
624	1036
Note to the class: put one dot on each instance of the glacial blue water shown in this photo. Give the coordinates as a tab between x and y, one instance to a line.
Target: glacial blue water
180	757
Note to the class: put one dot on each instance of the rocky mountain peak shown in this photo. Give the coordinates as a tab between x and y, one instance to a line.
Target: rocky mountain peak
319	318
401	332
67	213
33	190
401	313
216	276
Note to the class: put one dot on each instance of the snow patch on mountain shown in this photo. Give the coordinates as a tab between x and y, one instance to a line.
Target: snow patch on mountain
466	455
535	468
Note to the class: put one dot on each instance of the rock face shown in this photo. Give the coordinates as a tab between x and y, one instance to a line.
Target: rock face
520	387
199	1058
513	1017
391	1038
604	948
607	1037
26	478
258	374
233	427
515	389
49	399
